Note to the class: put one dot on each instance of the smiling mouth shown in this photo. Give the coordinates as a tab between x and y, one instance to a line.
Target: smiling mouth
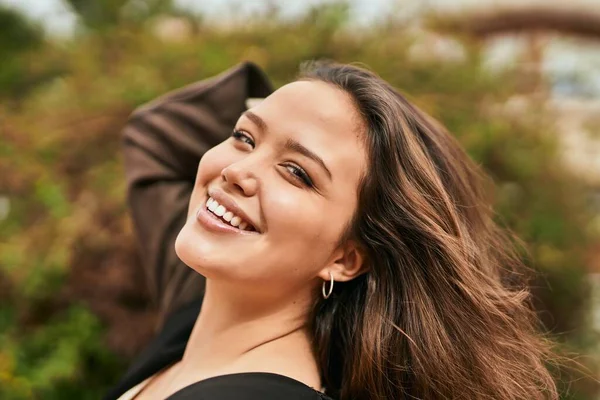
227	216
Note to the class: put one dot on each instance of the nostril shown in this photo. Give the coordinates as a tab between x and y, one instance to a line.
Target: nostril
240	188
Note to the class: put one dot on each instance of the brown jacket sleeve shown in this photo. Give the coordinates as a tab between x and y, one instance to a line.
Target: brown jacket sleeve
163	142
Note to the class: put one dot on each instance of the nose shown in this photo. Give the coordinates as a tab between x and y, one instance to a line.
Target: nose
241	178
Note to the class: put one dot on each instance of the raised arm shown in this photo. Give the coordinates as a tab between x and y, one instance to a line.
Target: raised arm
163	142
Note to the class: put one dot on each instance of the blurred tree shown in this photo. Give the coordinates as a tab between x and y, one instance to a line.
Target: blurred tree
101	15
18	37
17	33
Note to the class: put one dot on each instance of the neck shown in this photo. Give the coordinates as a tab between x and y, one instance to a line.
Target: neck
233	322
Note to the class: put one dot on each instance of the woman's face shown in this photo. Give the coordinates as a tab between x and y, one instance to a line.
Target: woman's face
290	171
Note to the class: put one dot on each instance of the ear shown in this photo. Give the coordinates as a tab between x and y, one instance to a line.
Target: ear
347	262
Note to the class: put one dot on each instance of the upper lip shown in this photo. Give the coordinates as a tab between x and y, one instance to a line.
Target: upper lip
227	202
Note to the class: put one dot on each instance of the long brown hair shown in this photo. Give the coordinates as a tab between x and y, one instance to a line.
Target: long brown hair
443	311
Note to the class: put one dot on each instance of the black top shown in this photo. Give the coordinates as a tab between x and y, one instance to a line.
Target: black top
248	386
168	347
163	142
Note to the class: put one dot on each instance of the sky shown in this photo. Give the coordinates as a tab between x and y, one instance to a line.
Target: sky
563	58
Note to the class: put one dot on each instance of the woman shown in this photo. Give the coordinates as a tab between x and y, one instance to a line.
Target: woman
347	246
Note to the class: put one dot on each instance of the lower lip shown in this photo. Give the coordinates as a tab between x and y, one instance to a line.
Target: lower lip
213	223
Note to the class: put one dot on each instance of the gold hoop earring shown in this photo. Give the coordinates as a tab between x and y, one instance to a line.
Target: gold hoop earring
326	295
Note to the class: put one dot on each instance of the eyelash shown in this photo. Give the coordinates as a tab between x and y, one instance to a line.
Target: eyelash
240	136
298	172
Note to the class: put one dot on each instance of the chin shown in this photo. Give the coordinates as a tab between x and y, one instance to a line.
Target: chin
203	255
193	251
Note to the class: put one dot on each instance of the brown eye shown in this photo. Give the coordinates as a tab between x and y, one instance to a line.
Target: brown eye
299	174
241	136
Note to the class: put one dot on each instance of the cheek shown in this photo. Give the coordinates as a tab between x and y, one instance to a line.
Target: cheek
212	163
209	168
305	230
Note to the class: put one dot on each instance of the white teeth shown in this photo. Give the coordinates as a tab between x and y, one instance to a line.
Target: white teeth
220	211
228	216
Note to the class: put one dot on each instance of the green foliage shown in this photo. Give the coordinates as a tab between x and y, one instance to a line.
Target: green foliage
56	360
17	34
61	170
18	37
107	14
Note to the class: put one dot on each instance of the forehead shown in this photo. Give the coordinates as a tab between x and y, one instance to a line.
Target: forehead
314	103
321	117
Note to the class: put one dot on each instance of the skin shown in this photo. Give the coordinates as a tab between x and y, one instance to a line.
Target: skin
260	286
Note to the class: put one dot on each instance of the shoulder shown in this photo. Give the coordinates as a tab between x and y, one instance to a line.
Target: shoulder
249	386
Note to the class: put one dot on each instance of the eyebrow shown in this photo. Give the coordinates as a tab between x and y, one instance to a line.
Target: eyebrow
290	144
